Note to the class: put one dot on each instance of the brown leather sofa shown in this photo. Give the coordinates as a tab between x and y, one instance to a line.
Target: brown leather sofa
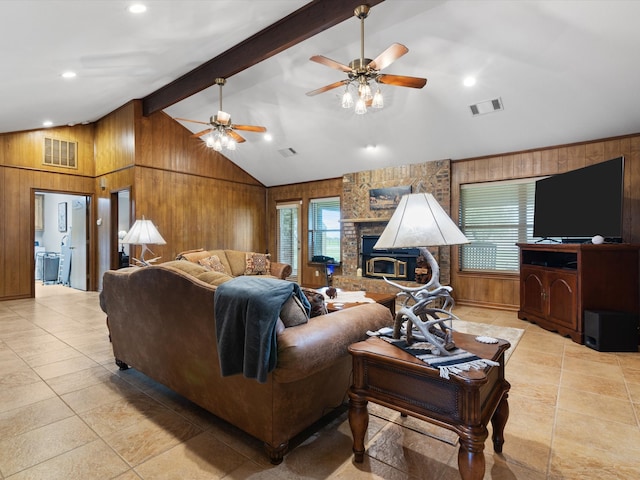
161	322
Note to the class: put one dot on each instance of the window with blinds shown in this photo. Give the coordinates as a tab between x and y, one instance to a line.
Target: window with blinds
324	228
494	217
288	236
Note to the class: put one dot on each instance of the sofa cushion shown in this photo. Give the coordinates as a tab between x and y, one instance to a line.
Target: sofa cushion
257	263
316	299
214	278
196	255
236	260
193	255
213	264
186	266
293	312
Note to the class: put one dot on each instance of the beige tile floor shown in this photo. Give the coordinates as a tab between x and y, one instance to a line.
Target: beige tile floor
66	412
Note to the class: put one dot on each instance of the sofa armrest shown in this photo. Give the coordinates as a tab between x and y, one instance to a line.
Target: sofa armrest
315	345
281	270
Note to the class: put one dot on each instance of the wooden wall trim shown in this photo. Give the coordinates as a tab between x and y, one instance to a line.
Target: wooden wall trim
200	175
554	147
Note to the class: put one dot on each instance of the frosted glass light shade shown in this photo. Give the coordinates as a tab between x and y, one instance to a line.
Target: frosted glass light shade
420	221
143	232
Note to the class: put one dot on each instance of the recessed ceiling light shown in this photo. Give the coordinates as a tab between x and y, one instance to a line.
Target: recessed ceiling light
137	8
469	81
69	74
47	123
268	137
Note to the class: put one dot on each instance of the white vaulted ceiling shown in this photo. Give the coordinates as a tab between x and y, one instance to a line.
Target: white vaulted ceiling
566	71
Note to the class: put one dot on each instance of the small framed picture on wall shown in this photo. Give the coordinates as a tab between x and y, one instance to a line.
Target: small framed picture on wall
62	217
385	198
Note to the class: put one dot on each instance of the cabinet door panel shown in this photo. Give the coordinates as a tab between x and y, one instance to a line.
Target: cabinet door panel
562	299
531	292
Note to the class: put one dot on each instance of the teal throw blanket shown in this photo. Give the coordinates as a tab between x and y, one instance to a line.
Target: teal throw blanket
246	311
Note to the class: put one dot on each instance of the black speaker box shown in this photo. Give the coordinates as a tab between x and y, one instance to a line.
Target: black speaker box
608	331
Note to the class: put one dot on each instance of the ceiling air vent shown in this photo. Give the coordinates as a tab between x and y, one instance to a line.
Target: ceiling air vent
60	153
287	152
488	106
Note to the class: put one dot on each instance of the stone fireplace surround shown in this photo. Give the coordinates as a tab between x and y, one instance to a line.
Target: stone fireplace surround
358	219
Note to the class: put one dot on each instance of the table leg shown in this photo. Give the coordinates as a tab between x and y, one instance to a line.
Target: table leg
471	463
498	421
358	421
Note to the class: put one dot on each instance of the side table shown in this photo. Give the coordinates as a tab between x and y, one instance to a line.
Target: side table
464	403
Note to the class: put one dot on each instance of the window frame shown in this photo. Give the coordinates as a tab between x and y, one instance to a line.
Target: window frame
313	230
493	248
293	239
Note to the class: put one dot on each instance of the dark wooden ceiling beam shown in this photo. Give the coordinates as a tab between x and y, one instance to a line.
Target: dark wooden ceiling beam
302	24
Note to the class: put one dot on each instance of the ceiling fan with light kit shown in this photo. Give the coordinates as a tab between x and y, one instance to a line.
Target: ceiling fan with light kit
363	71
221	132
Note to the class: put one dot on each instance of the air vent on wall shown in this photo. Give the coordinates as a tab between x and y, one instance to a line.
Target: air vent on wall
287	152
60	153
488	106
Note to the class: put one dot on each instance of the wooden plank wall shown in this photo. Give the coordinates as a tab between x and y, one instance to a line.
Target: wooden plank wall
21	174
196	197
502	291
199	212
300	192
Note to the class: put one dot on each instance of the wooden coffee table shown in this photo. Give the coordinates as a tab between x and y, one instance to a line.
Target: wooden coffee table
386	299
465	403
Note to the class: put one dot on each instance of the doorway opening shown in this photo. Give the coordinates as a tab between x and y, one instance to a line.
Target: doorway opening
120	223
61	240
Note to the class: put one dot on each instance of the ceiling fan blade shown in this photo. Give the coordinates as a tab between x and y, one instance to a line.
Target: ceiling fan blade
322	60
249	128
327	87
235	136
402	81
203	132
389	56
192	121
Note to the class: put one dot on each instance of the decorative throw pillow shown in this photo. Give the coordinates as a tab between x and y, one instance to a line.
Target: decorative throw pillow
293	312
316	299
213	264
257	264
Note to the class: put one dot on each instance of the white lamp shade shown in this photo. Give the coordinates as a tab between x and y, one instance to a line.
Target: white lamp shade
144	232
419	221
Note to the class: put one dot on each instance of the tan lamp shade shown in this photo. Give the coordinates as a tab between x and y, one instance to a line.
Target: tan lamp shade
420	221
143	232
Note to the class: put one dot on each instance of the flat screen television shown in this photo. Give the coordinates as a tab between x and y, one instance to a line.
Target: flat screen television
582	203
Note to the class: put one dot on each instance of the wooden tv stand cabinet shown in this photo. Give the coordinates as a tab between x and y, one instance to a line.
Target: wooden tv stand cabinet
558	282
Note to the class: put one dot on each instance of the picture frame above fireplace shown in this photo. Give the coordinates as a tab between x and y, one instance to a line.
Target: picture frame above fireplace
387	198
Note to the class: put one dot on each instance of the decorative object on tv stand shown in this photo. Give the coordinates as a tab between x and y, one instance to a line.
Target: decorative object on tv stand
363	72
144	232
419	221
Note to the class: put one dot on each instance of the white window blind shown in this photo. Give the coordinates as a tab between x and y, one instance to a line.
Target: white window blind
324	228
288	236
494	217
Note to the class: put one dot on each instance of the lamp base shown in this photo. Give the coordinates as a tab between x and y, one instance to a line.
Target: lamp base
419	310
141	261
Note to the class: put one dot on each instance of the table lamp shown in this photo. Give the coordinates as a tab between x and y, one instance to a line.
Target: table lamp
419	222
144	232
